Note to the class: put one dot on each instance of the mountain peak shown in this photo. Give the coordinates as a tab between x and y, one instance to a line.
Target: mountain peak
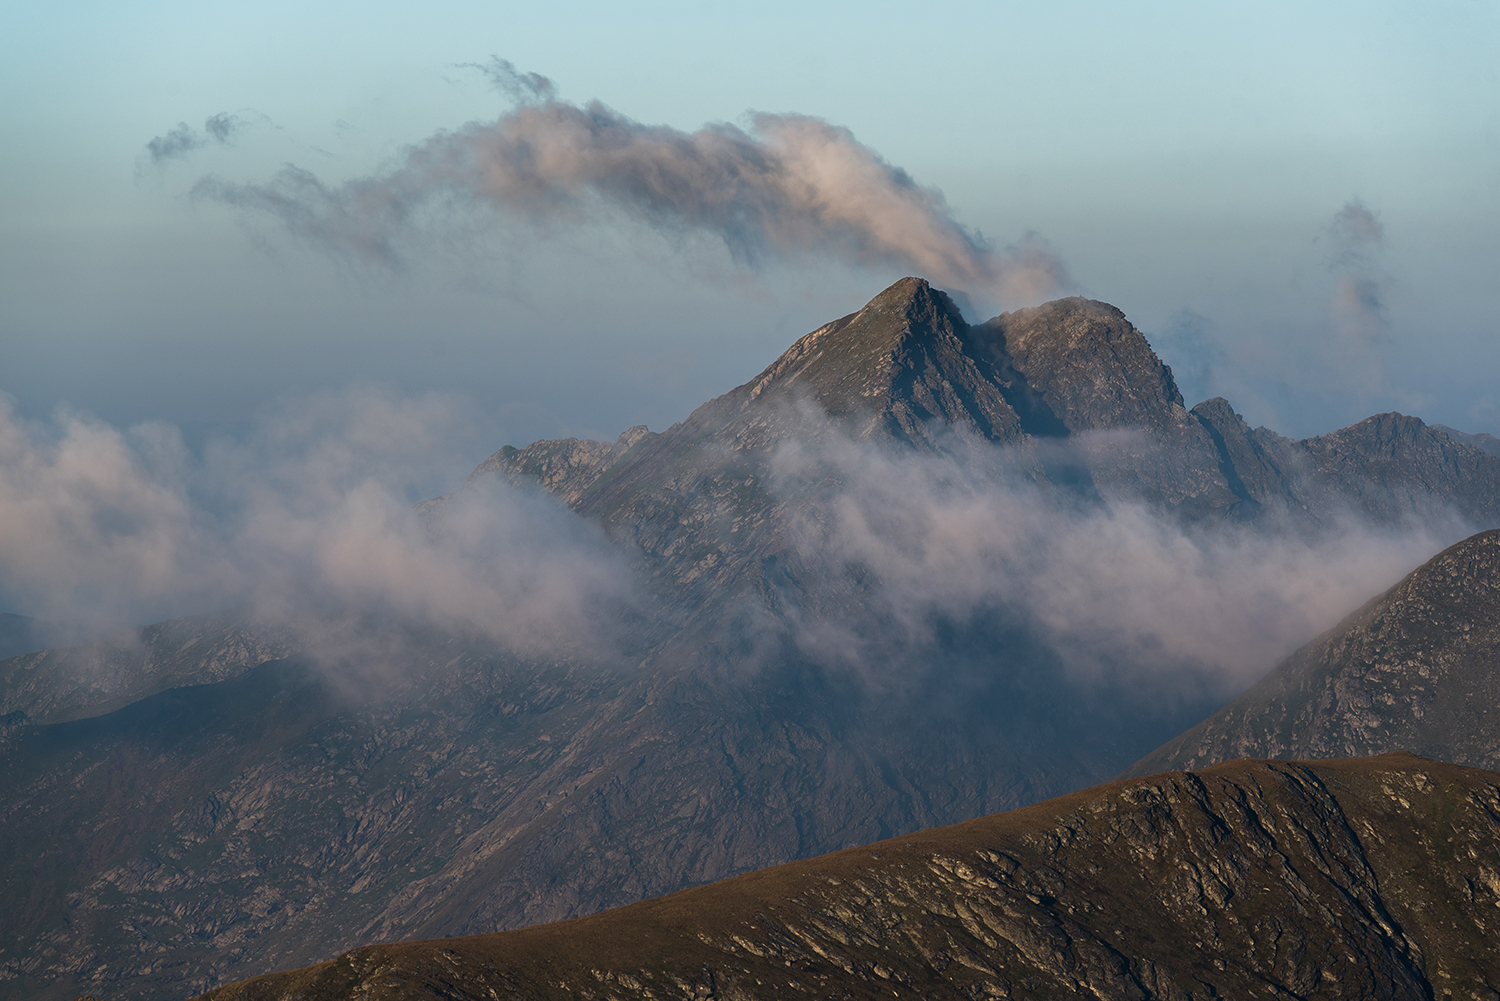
897	366
1090	364
913	297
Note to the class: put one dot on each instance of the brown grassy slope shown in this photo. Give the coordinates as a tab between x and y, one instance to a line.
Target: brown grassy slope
1368	878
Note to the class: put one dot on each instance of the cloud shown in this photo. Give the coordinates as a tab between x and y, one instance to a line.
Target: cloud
523	88
223	126
95	521
184	139
177	143
785	186
308	523
1357	229
1358	308
1116	591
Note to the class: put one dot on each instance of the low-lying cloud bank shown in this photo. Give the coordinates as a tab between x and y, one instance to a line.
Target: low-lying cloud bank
1118	591
307	522
787	185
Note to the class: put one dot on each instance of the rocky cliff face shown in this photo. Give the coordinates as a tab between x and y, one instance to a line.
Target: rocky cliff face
1373	878
1416	669
1391	465
1486	443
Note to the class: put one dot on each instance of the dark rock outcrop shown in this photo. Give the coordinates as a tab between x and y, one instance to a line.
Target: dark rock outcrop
1366	879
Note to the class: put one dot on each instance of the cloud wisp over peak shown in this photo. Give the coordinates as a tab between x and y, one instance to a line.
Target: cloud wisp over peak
784	186
1361	322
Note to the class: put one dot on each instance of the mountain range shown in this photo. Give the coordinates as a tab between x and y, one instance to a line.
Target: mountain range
1366	879
206	800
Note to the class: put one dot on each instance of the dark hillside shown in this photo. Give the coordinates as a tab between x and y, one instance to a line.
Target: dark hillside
1365	879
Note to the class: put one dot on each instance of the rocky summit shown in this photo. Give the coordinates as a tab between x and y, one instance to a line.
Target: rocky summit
204	801
1416	669
1072	385
1367	879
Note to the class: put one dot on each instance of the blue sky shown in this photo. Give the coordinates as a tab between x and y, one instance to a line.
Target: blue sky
1186	162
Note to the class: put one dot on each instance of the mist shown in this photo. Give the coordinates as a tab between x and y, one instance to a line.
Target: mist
783	187
1120	592
308	522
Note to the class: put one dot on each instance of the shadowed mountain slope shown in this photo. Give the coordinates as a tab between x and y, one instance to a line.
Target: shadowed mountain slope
272	819
1416	669
90	679
1373	878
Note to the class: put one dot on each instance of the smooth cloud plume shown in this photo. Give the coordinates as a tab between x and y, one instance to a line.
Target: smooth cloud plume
787	185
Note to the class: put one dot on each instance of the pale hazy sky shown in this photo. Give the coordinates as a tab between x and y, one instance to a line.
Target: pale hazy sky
1187	162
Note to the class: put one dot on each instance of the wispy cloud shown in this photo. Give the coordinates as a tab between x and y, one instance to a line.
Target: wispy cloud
309	522
1358	307
178	142
522	88
784	186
